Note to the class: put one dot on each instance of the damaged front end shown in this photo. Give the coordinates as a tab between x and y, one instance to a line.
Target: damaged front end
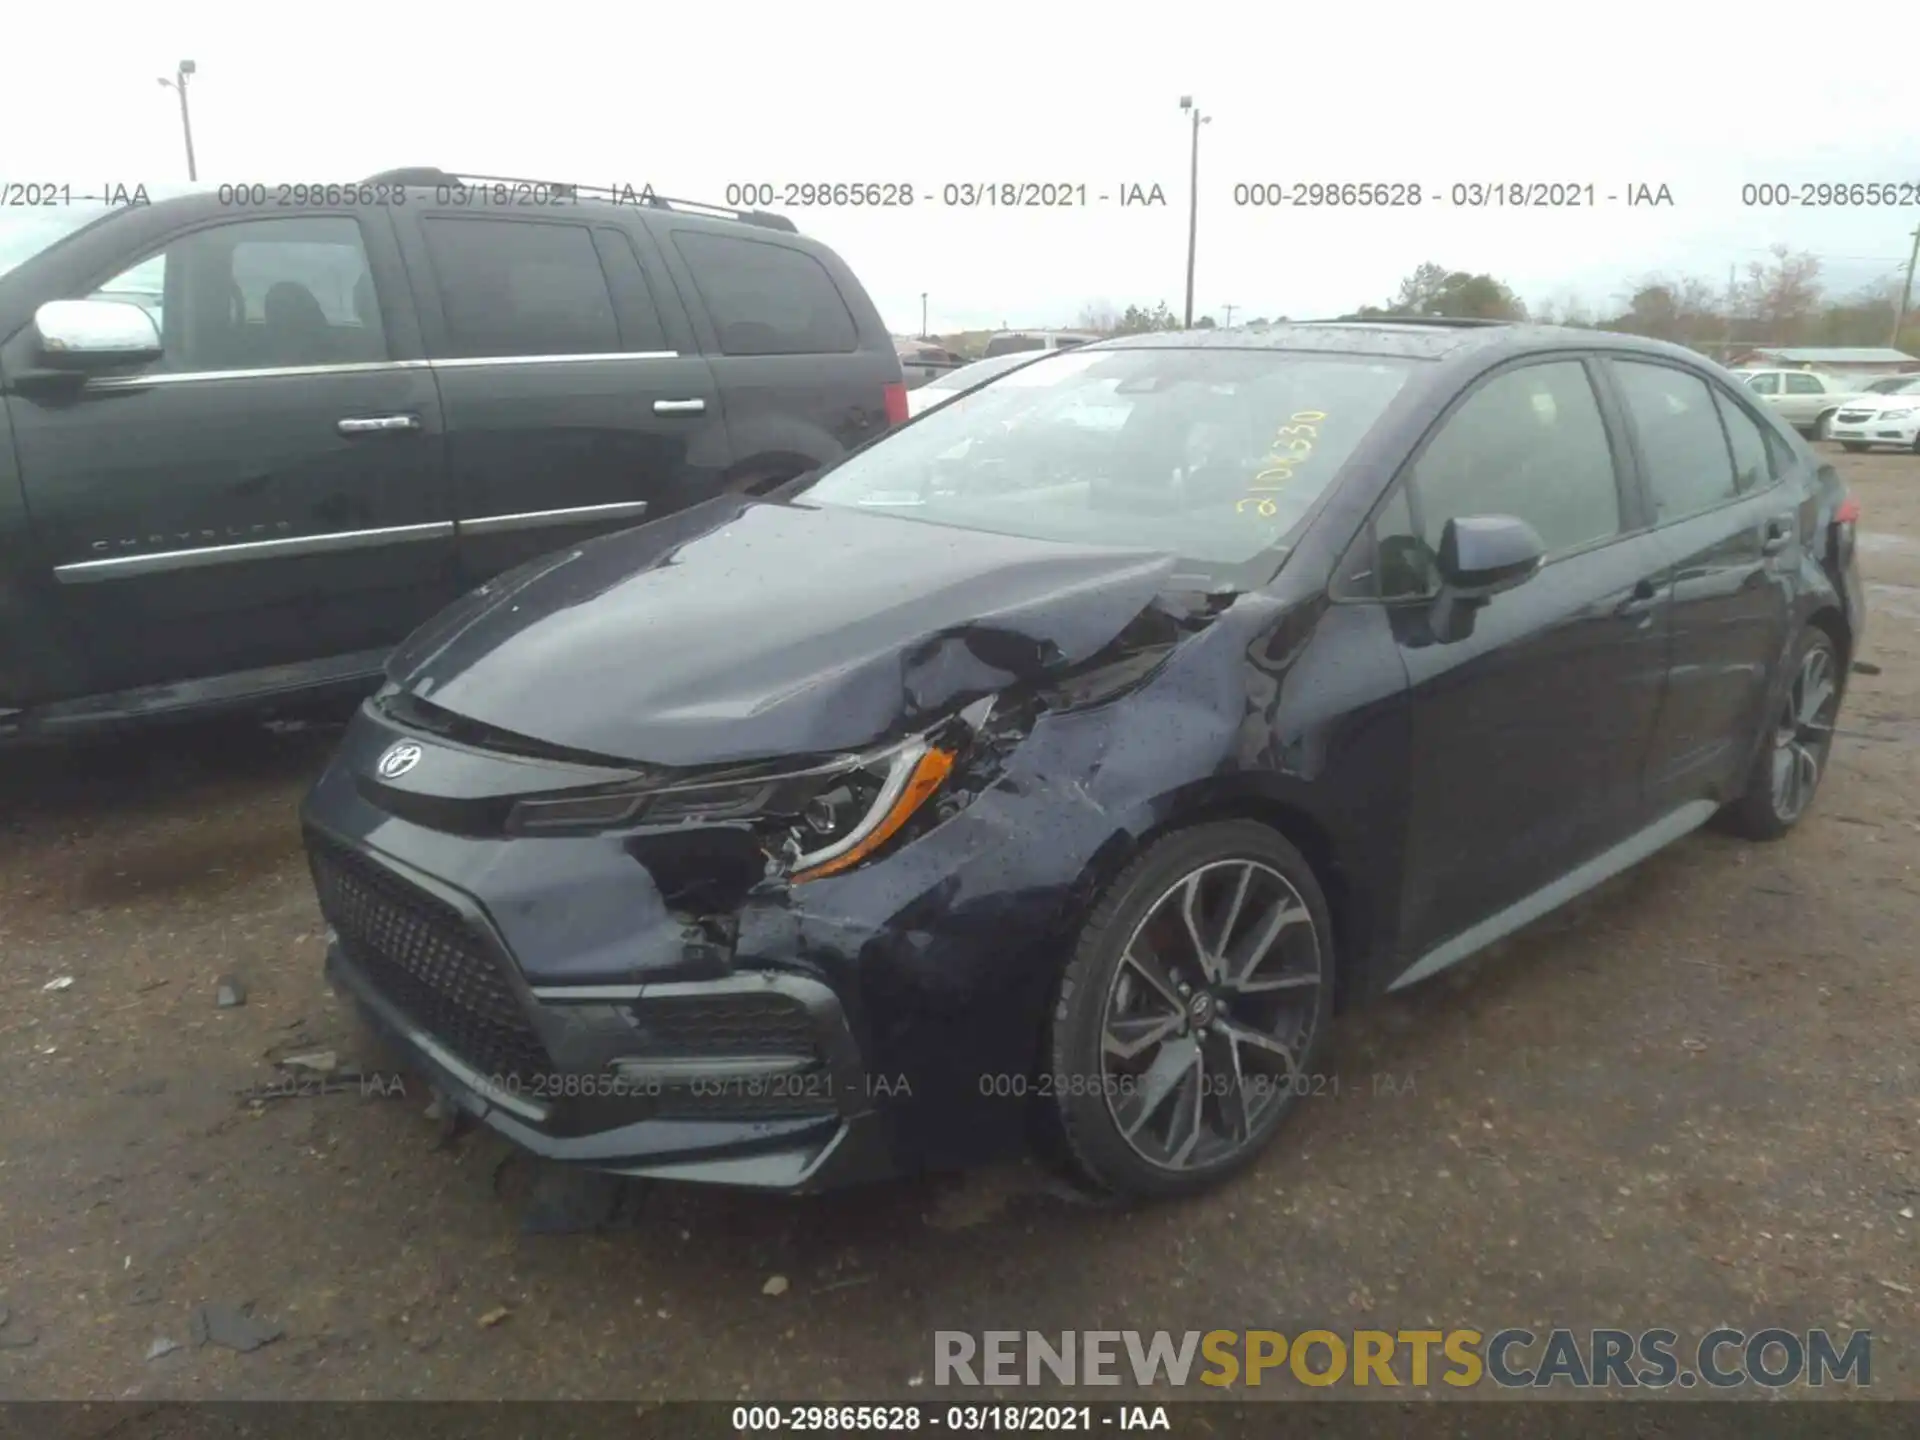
732	967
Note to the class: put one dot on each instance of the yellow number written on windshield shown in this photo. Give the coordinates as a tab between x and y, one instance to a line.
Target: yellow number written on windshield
1292	443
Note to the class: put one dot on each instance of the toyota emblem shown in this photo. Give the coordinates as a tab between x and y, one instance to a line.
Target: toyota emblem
398	760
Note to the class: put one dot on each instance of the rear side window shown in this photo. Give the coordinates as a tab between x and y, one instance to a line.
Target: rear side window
767	299
1754	460
1689	468
1764	384
510	287
1799	383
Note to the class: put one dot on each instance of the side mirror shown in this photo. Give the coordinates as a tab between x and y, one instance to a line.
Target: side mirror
85	334
1482	555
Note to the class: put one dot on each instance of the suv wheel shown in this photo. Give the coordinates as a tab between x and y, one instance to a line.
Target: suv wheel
1190	1018
1790	765
1823	425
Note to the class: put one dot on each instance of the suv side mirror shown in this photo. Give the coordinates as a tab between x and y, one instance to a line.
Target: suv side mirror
85	334
1482	555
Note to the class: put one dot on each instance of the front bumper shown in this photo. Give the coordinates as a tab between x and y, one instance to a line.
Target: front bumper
1870	429
612	1119
601	1005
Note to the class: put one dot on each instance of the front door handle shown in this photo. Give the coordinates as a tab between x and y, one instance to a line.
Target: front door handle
1779	534
679	407
377	424
1638	606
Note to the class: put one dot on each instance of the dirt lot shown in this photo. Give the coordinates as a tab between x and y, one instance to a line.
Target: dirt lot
1696	1101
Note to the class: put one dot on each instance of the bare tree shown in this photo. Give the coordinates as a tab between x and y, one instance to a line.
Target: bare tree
1781	294
1098	316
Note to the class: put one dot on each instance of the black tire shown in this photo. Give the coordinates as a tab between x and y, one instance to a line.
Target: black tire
1245	1054
1853	447
1823	425
1800	738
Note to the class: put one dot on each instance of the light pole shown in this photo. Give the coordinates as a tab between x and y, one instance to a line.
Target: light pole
1906	292
179	85
1193	196
1230	309
923	316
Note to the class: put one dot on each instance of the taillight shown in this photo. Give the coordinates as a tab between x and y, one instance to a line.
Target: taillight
1848	512
896	403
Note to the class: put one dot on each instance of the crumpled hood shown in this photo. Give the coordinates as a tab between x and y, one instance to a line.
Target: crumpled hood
741	630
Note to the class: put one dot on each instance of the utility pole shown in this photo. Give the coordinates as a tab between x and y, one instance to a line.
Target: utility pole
923	316
1733	296
1193	197
1229	309
179	86
1906	292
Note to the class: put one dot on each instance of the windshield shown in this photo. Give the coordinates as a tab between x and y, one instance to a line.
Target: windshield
1896	385
26	230
1214	455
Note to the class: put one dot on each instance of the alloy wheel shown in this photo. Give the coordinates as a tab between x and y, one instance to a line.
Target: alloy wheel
1805	732
1212	1005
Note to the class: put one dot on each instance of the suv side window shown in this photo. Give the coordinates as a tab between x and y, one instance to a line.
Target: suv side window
514	287
1766	383
766	298
1755	462
1689	467
259	295
1530	442
1801	383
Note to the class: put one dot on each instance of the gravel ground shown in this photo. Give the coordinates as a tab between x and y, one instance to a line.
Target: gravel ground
1694	1101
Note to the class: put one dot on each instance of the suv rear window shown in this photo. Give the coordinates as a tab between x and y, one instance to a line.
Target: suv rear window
1013	345
766	298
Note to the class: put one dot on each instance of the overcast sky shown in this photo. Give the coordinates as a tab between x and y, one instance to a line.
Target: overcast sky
692	98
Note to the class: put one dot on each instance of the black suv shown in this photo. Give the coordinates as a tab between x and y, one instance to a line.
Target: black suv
251	436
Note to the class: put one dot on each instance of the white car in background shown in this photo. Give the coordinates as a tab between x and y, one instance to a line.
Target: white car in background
967	377
1806	399
1889	414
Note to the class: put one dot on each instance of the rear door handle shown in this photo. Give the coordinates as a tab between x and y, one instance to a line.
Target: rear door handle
1779	534
377	424
679	407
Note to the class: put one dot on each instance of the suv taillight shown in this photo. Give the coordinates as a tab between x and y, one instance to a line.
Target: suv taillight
1845	518
896	395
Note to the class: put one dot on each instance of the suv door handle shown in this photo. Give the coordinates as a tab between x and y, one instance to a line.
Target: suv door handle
377	424
1779	533
679	407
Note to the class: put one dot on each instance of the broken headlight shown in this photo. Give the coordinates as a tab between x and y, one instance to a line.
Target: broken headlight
816	822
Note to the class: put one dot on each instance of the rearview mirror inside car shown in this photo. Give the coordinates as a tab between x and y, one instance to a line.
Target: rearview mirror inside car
82	334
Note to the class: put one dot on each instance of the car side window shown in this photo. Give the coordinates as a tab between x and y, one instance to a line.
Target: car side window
1689	467
1530	443
1767	384
1801	383
1755	462
513	287
766	298
259	294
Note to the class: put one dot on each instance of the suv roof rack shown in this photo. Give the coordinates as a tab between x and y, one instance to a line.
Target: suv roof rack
426	175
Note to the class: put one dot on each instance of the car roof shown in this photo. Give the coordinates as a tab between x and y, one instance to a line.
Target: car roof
1418	338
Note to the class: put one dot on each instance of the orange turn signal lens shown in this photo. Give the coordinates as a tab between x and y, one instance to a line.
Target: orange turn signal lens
928	775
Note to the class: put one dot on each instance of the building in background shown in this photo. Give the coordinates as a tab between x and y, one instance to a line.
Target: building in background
1836	360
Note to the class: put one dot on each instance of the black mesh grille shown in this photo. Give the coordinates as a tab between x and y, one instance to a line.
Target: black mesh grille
706	1026
426	960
